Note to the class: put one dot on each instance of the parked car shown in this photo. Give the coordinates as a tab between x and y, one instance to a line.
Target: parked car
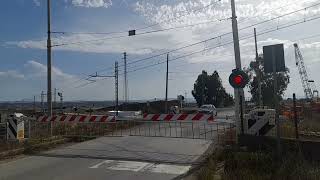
208	109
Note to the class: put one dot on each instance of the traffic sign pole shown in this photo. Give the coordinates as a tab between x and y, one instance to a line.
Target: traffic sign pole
237	92
276	101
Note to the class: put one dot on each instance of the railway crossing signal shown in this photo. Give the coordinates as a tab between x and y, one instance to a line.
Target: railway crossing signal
238	79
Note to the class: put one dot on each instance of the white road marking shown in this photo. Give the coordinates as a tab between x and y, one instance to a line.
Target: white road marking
136	166
99	164
169	169
128	166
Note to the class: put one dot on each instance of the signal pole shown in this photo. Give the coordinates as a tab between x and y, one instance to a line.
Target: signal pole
61	101
116	74
34	105
167	76
125	78
258	71
55	98
42	104
49	95
238	93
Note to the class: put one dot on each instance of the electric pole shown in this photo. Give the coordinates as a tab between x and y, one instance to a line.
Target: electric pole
238	93
167	76
42	104
116	75
49	95
125	78
34	105
55	98
258	69
61	101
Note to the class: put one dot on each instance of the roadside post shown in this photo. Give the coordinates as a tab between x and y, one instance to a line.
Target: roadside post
274	62
295	116
238	79
241	116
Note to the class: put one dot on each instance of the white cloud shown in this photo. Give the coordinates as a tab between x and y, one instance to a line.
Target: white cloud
92	3
191	11
133	45
32	79
34	69
11	74
36	2
154	11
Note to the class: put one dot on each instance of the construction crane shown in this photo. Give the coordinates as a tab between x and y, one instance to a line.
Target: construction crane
308	85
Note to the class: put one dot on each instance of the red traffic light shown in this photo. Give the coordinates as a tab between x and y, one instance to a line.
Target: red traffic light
238	79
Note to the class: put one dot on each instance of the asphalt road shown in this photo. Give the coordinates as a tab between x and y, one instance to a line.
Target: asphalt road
120	158
126	157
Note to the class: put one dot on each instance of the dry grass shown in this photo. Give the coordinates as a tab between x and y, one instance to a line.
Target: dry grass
240	165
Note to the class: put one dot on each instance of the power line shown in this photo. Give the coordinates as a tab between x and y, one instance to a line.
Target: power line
278	28
244	38
268	12
203	41
88	41
146	32
229	43
146	27
115	37
123	36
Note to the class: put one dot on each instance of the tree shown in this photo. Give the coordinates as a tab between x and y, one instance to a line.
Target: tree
267	83
208	89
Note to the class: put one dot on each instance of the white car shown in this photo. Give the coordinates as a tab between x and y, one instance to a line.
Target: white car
208	109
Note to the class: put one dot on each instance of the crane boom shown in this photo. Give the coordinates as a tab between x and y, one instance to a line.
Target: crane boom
303	73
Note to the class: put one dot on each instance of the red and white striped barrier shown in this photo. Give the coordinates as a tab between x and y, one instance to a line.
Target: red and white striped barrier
178	117
76	119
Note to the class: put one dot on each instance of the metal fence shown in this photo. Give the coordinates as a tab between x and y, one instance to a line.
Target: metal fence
218	132
3	131
308	122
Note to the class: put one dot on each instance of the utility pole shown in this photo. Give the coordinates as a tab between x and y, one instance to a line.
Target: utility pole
49	95
185	97
116	75
61	101
167	76
125	78
237	92
42	104
34	105
55	98
258	71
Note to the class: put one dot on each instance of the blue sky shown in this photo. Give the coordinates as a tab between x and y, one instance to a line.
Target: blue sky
23	36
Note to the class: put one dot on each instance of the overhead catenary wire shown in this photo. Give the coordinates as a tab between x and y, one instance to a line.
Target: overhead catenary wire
243	38
219	36
178	27
125	36
146	32
220	45
190	45
231	32
160	30
187	12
